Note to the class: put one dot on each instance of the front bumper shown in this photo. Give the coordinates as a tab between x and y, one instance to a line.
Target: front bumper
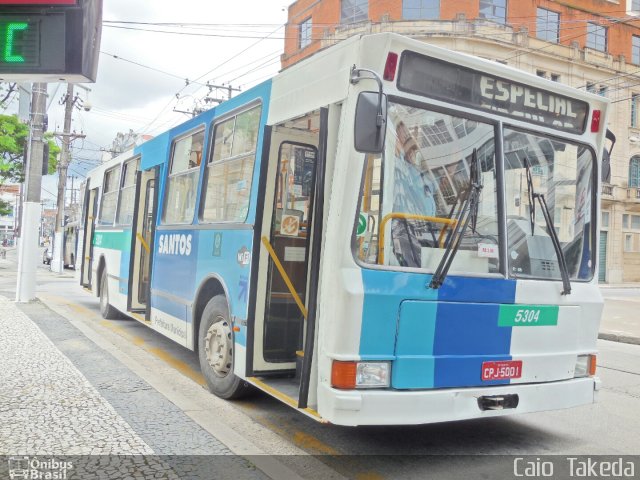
406	407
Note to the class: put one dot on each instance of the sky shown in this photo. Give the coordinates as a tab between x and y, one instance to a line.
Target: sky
219	42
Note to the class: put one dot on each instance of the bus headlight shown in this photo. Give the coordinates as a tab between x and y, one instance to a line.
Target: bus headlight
350	375
585	366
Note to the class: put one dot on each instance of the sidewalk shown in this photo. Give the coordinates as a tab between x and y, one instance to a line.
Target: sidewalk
84	402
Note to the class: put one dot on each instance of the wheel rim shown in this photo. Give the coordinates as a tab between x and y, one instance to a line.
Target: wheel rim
219	348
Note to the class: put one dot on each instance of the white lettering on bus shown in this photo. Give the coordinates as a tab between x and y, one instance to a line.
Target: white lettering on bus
174	244
501	91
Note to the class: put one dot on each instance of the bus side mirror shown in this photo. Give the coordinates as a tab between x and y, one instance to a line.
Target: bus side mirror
371	122
605	174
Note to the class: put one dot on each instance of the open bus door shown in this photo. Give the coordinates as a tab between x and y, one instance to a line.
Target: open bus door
90	212
290	240
142	232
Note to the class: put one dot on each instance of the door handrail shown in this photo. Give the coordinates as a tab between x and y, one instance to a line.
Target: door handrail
285	277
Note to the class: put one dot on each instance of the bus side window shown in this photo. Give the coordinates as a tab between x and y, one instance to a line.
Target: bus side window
182	183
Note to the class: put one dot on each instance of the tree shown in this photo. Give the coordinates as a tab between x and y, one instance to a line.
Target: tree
13	137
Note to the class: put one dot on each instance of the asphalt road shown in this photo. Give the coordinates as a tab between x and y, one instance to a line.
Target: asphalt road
610	426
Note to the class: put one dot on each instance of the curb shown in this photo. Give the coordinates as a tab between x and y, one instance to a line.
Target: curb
614	337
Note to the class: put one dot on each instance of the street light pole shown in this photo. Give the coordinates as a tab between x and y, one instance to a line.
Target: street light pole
29	241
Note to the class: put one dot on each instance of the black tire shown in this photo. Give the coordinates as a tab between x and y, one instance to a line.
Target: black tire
106	310
215	337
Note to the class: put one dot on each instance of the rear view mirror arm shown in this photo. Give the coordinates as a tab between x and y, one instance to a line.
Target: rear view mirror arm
356	76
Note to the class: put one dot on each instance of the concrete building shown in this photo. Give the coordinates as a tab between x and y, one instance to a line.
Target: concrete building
588	44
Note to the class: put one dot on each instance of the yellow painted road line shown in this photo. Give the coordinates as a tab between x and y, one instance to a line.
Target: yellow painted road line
163	355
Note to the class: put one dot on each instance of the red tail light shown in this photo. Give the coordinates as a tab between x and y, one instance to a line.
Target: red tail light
390	67
595	121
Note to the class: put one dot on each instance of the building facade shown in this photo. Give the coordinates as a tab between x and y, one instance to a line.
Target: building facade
587	44
10	195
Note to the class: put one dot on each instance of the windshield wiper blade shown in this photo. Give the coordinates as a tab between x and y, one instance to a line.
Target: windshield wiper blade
468	213
533	196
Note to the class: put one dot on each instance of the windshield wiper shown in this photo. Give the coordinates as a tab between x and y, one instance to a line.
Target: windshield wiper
468	213
562	263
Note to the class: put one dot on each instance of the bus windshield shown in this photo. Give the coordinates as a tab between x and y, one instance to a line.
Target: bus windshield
563	173
411	194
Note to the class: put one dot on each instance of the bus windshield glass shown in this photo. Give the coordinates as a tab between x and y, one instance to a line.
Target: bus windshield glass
562	173
412	194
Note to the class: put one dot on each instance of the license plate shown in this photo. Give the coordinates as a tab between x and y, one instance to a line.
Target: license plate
501	370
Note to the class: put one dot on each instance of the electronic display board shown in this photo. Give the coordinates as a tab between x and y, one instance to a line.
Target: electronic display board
39	41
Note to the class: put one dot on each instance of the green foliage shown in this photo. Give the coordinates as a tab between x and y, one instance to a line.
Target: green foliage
5	208
13	136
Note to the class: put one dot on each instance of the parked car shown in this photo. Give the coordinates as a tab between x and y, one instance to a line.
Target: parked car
47	255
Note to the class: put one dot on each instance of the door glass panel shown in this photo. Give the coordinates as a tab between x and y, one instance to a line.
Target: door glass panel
290	232
147	225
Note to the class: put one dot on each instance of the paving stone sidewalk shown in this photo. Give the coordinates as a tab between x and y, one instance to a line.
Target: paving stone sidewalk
86	408
46	405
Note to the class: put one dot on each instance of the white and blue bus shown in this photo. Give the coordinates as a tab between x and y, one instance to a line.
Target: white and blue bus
384	233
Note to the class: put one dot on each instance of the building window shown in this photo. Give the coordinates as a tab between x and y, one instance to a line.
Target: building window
634	172
184	175
109	200
605	219
494	10
304	33
634	109
548	25
354	11
591	87
602	90
555	77
541	73
230	170
127	192
596	37
635	6
635	222
628	242
421	9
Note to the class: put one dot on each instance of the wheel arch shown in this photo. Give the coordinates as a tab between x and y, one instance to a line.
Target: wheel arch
211	286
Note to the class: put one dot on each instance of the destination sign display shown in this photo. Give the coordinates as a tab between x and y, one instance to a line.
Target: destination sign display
452	83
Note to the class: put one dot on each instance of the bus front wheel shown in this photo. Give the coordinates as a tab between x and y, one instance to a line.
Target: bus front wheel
215	351
106	310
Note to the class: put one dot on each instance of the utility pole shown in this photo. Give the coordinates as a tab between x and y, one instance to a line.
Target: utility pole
66	137
29	241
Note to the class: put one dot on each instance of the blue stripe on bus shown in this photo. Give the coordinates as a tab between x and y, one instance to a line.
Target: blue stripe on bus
439	338
464	371
470	329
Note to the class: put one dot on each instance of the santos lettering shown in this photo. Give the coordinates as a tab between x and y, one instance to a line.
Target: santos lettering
174	244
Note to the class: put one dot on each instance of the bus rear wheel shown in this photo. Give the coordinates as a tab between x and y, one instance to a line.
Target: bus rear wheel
215	351
106	310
